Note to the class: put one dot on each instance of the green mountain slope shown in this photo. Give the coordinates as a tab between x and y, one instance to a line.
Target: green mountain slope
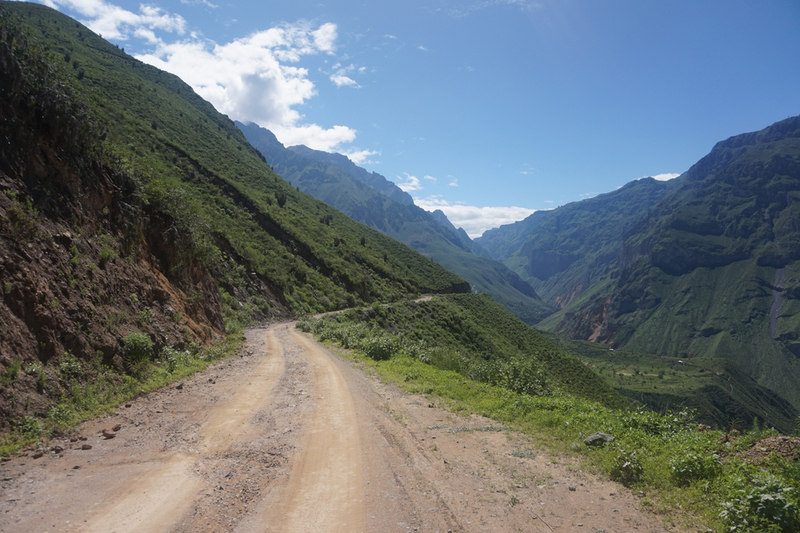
711	271
722	394
563	252
129	205
419	229
372	179
501	243
475	336
177	144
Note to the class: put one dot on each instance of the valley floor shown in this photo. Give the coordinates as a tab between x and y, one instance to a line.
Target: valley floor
289	437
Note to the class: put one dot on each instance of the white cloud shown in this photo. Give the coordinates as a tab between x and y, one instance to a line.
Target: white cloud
390	36
360	157
474	220
114	22
453	183
666	177
429	178
410	184
251	79
422	48
340	80
340	76
200	2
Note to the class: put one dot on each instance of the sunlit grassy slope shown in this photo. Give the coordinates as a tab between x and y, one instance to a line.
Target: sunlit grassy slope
259	236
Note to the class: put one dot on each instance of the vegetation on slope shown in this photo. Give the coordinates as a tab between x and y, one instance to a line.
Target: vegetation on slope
472	334
571	247
322	177
710	271
721	394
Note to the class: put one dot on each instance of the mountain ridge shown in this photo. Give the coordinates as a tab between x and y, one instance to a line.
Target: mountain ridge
405	222
704	270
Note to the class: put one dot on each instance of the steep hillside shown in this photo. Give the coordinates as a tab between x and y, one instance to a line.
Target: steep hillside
373	179
501	243
563	252
129	205
470	334
711	271
407	223
722	394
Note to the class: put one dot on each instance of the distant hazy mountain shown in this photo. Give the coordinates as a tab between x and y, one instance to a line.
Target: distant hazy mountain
320	175
373	179
501	243
564	251
476	248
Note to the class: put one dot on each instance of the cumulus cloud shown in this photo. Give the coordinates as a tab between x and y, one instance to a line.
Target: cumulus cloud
252	79
114	22
453	183
409	183
360	157
474	220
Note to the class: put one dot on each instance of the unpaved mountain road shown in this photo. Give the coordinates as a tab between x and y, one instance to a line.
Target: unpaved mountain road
290	438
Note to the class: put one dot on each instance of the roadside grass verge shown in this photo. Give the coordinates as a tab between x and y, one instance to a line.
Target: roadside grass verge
106	389
678	466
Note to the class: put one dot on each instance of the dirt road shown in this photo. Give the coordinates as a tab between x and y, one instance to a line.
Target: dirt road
288	438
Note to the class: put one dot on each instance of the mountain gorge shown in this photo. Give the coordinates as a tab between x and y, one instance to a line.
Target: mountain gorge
371	199
129	205
702	266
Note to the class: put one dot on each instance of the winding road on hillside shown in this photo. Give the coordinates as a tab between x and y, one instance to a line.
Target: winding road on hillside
288	437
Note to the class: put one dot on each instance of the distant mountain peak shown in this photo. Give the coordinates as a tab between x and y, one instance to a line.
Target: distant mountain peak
373	179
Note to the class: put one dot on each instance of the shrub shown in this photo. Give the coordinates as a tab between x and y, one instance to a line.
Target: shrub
60	416
764	506
70	367
627	469
379	348
694	466
172	358
138	349
30	427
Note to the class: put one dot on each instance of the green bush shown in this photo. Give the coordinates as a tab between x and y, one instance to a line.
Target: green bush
379	348
70	367
60	416
30	427
763	506
627	469
172	358
694	466
138	350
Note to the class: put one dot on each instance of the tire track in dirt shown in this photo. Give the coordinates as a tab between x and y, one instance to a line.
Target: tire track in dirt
166	491
325	491
288	437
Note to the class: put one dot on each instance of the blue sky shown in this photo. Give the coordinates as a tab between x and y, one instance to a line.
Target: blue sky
487	109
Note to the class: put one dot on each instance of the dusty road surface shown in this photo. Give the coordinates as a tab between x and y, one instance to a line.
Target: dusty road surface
288	437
